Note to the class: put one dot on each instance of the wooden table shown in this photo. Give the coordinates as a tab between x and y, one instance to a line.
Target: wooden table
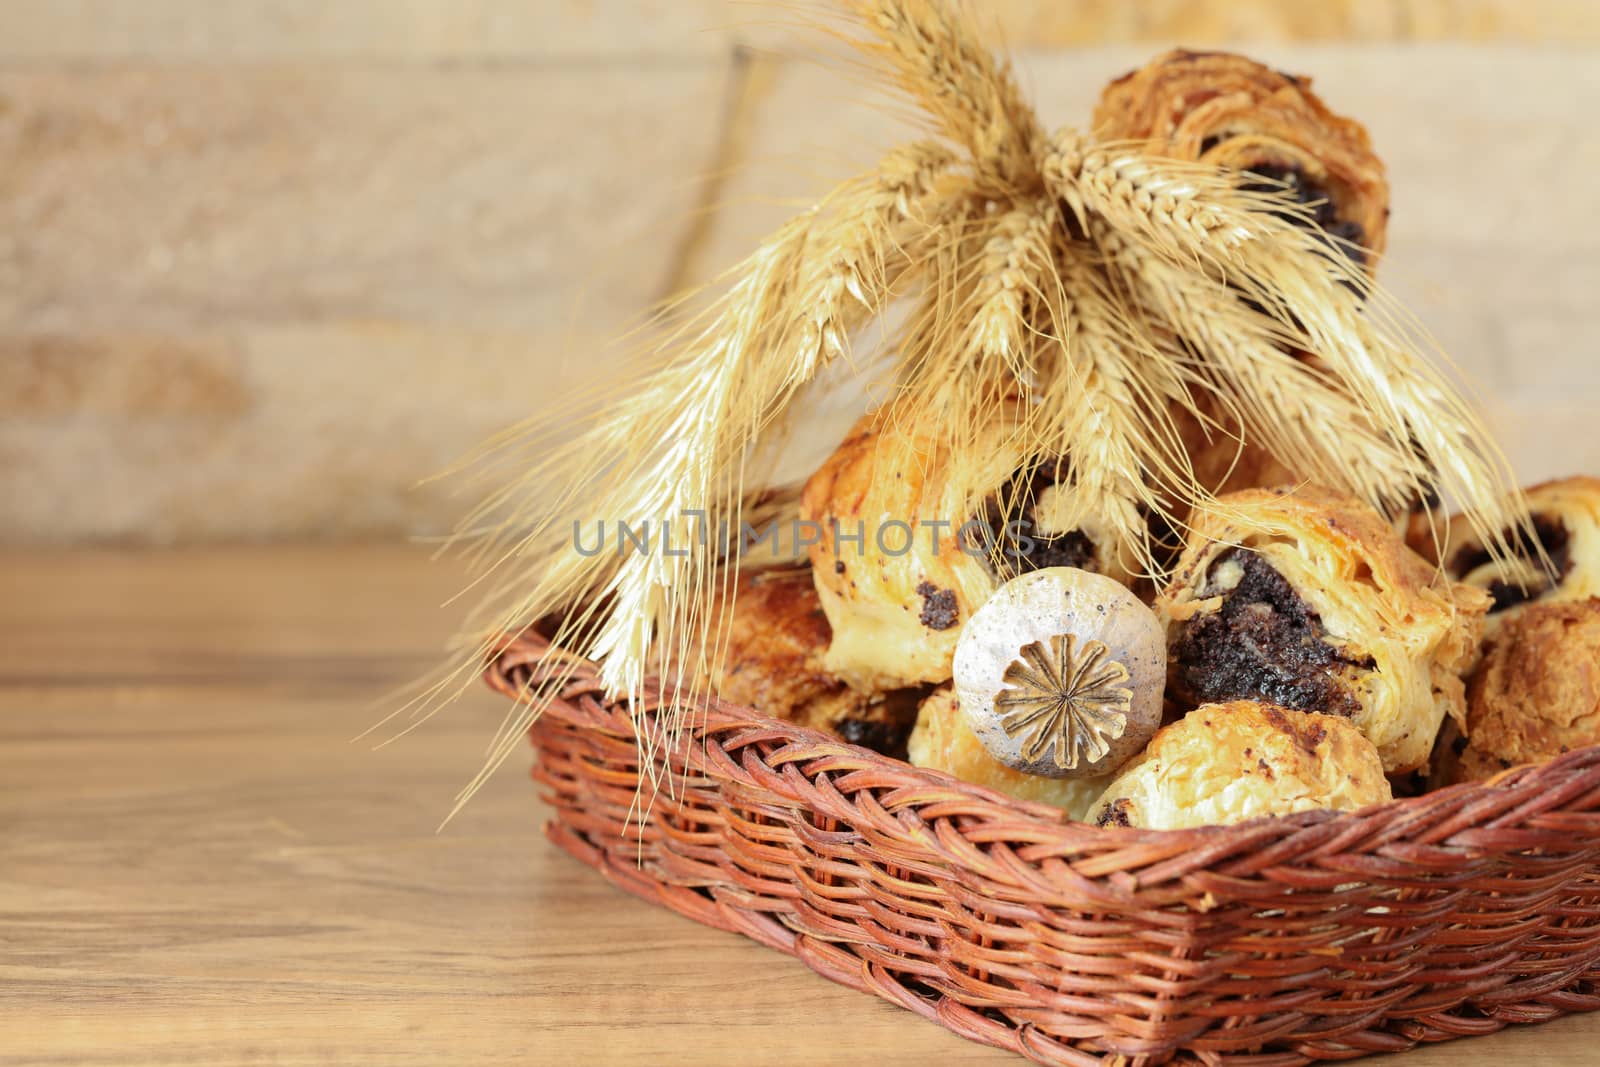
198	865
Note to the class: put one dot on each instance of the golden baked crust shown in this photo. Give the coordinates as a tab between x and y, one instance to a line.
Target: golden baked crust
1224	463
943	741
773	642
1225	763
1537	692
1566	515
1309	599
1234	112
896	614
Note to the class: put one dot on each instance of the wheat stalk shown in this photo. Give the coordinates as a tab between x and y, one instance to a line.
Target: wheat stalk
1106	408
1198	220
967	350
849	281
932	53
678	445
1304	421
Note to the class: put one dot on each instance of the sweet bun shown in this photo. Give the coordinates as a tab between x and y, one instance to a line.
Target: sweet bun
943	741
772	635
1225	763
1310	600
1566	529
895	588
1536	694
899	562
773	641
1233	112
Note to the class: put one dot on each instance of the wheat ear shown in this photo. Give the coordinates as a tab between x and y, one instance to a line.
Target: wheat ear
968	348
1306	422
1198	219
1105	407
932	53
672	452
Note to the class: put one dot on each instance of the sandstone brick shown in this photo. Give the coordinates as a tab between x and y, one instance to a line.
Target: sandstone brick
166	194
363	29
566	29
1060	24
343	421
367	270
54	375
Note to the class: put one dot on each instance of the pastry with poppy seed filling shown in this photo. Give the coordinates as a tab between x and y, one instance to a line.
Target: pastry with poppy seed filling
1310	600
1225	763
1565	533
901	564
1229	111
1045	530
893	574
1233	112
943	741
1535	695
772	641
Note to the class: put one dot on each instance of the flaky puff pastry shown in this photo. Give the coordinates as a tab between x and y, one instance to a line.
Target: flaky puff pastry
896	602
1566	528
1310	600
772	643
943	741
1536	694
1234	112
1225	763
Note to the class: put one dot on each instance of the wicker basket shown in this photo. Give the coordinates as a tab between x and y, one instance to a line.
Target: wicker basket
1279	941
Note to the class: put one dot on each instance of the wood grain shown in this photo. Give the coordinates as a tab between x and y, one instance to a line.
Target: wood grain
197	865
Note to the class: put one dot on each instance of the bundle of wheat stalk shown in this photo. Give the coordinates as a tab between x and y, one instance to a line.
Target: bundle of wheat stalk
1090	291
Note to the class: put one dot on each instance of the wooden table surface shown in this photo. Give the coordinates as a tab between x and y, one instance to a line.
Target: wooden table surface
197	865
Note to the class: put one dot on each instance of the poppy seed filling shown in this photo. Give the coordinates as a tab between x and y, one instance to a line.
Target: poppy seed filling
1263	643
1309	194
884	726
1025	545
1550	536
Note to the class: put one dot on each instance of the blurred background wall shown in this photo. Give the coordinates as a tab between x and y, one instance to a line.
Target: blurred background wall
266	263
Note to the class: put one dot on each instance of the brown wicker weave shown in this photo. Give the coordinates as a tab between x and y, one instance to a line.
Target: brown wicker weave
1280	941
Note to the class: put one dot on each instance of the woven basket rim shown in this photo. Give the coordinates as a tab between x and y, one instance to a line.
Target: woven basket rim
1481	805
